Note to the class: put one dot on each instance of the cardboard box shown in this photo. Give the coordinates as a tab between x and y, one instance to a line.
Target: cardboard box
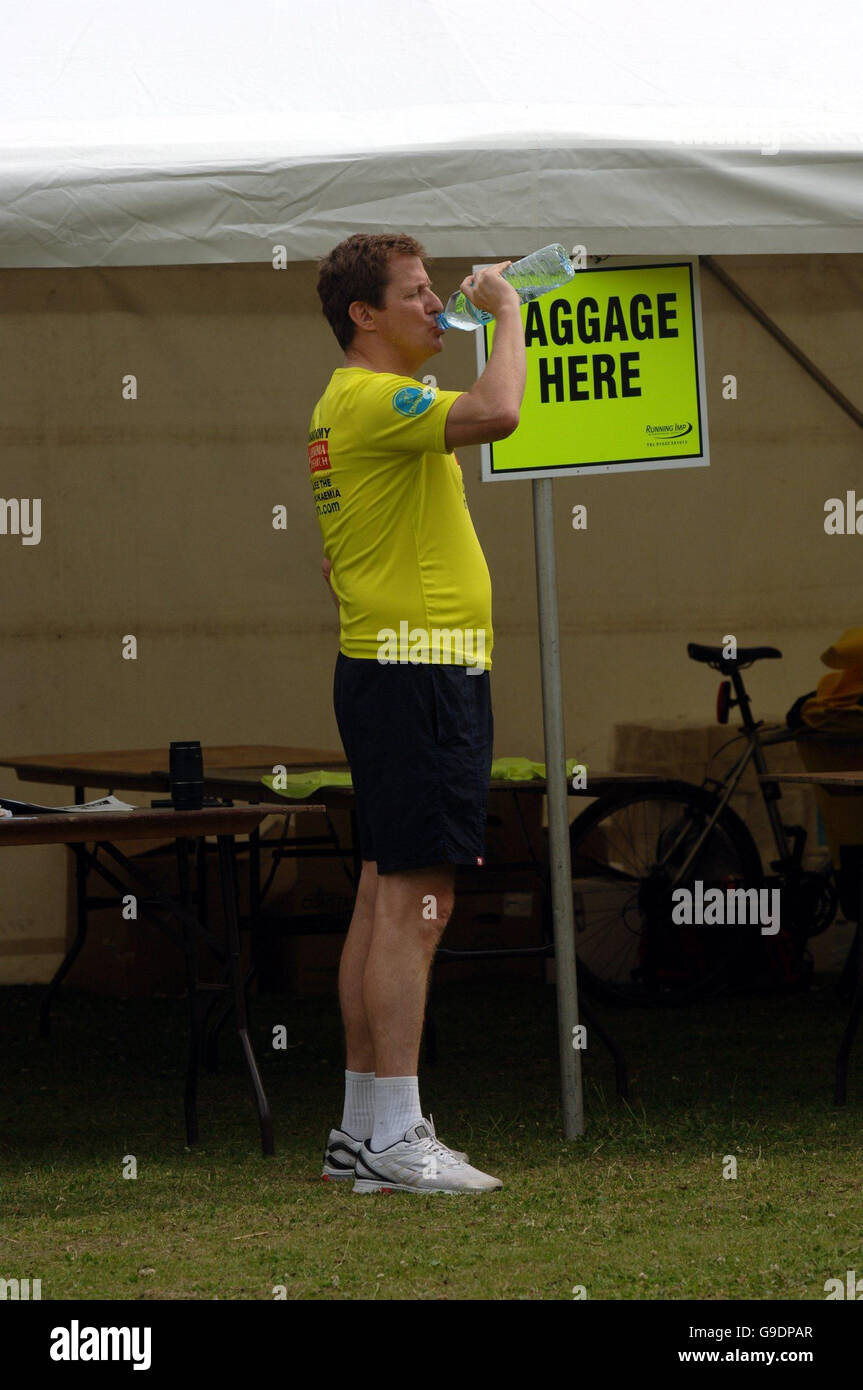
506	838
511	917
311	965
842	815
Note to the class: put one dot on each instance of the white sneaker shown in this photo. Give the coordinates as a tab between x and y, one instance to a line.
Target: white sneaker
418	1163
340	1154
456	1153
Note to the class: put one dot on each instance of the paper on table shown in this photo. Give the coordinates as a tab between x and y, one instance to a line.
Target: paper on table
31	808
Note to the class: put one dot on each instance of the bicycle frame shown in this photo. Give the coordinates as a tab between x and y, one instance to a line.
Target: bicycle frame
725	789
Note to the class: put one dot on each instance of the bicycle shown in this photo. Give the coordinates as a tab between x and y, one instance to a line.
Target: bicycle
632	850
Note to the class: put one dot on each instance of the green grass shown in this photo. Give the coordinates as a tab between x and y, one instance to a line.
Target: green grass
636	1209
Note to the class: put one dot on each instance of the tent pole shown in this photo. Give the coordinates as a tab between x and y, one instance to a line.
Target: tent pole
788	343
558	813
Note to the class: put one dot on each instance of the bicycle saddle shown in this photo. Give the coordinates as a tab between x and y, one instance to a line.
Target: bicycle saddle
712	656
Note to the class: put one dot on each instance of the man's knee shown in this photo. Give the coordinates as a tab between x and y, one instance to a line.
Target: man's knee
438	900
423	898
436	889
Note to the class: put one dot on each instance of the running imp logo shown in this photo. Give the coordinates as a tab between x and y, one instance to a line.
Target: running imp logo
664	433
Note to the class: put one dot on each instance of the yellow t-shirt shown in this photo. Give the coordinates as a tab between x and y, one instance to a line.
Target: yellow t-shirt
407	567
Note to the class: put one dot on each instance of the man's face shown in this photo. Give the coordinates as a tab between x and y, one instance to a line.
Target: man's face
407	320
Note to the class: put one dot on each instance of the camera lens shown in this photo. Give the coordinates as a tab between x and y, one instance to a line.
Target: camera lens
186	775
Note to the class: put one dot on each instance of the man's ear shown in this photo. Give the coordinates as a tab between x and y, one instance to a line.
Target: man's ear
361	315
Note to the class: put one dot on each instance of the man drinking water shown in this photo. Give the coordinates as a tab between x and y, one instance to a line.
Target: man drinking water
402	557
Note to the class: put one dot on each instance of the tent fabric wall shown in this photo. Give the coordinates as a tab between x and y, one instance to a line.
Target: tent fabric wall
157	521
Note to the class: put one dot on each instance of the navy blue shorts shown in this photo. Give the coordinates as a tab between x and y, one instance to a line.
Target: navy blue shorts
419	743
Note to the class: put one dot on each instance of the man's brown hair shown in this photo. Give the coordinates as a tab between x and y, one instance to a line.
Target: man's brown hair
358	268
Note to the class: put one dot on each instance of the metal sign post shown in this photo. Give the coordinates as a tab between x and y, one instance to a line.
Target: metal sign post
558	811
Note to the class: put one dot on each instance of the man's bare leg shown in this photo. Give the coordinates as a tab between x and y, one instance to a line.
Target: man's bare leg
359	1048
410	913
399	961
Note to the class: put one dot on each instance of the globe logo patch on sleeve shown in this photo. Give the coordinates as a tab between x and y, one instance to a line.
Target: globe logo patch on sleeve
413	400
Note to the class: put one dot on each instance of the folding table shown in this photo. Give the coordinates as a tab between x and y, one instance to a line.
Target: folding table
77	829
234	772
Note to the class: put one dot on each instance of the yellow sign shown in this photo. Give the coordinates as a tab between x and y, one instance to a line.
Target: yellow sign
615	375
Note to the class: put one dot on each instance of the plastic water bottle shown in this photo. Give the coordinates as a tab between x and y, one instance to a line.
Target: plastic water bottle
536	274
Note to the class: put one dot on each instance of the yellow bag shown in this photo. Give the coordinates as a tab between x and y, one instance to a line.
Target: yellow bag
836	706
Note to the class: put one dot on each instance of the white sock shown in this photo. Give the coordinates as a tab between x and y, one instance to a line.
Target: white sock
397	1108
358	1117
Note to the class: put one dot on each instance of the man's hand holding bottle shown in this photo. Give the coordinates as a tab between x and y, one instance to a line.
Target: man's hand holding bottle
488	290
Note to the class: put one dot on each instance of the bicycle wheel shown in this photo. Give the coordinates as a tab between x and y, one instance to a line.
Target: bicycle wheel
627	851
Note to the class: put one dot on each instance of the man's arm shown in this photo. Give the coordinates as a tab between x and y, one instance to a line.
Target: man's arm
326	569
490	410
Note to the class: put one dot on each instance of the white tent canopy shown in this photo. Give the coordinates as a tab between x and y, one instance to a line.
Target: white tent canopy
163	134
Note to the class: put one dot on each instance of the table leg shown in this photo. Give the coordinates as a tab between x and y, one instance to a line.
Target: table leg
856	1007
202	909
220	1010
190	1094
214	1021
254	875
226	871
81	875
192	931
209	1034
254	908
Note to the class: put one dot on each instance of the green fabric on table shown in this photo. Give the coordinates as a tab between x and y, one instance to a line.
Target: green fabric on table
300	786
523	770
